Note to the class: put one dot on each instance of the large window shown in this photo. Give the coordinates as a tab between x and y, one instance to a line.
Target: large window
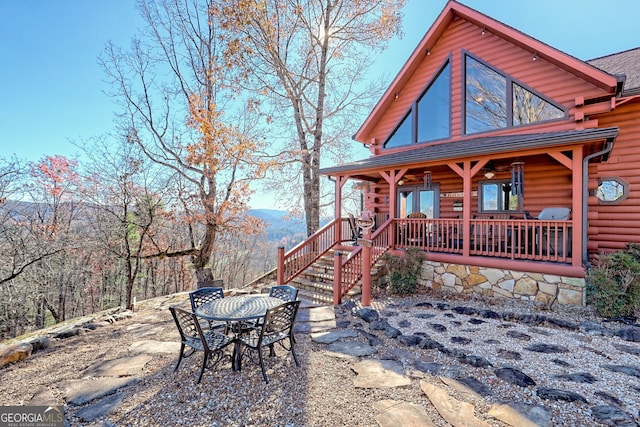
495	101
417	199
434	109
496	196
429	118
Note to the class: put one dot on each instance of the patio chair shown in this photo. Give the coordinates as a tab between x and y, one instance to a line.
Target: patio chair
277	328
284	292
193	339
356	233
203	296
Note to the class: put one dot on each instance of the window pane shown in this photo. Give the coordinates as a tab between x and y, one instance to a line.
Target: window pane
610	190
486	98
427	203
434	109
402	135
489	196
530	108
405	205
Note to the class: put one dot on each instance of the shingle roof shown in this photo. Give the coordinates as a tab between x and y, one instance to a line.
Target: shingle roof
625	63
473	147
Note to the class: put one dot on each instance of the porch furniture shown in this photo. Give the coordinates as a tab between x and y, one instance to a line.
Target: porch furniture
356	233
559	214
277	328
237	312
205	295
284	292
194	339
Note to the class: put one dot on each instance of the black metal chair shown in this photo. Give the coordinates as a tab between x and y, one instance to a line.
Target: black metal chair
277	328
203	296
194	339
284	292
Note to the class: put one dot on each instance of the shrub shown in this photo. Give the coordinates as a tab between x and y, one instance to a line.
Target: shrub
404	271
613	284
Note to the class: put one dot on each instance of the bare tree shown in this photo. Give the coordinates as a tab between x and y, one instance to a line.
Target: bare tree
308	62
174	85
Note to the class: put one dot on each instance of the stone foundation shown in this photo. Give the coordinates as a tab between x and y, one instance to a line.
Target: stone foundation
543	288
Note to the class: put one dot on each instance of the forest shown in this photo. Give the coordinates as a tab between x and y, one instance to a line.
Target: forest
213	103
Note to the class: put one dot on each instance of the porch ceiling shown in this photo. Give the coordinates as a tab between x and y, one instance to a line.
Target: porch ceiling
463	149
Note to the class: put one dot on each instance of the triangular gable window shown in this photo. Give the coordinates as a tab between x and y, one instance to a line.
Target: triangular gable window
495	101
429	118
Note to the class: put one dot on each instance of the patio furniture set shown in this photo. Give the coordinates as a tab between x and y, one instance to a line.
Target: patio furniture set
248	323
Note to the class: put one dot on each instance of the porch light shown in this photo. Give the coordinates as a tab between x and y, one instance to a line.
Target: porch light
490	170
428	51
535	56
427	180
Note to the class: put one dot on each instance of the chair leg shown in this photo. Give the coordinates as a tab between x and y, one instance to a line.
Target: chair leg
179	357
204	366
264	372
293	351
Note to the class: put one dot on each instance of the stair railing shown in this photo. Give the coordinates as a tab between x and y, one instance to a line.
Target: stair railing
348	271
294	262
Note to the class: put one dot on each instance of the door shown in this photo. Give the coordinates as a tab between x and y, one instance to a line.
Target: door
417	199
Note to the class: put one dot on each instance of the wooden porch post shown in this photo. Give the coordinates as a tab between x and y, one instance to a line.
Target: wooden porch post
337	277
466	207
280	271
576	208
366	266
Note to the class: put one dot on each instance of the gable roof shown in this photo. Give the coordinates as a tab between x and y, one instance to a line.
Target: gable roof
626	63
473	147
453	10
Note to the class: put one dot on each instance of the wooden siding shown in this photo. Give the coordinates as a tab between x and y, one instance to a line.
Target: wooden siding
553	82
611	227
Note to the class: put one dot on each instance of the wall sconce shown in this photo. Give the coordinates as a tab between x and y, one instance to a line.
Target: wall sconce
428	51
535	56
484	30
427	180
397	95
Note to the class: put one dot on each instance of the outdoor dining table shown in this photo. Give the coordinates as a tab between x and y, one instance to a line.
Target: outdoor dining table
236	311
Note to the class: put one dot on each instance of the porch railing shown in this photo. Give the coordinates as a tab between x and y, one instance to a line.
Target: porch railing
539	240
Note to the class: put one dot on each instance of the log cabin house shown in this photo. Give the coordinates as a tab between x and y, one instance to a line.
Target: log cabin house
507	161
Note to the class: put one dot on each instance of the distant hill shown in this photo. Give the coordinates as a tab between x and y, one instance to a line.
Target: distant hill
283	229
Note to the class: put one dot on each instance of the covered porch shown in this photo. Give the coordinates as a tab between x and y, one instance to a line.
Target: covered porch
472	202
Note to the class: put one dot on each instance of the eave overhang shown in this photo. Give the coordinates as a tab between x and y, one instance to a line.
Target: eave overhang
453	10
469	148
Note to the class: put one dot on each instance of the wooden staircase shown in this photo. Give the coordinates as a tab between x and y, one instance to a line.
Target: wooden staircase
316	282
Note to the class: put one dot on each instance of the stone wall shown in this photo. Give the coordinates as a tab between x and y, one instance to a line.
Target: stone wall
543	288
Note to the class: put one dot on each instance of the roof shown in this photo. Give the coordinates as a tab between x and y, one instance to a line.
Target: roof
473	147
626	63
453	10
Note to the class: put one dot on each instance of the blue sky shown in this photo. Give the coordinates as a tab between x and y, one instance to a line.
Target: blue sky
52	89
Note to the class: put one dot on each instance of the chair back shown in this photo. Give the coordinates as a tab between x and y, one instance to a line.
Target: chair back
204	295
278	322
554	213
284	292
188	326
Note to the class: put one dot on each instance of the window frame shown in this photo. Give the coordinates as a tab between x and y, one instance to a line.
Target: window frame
625	190
412	112
500	196
509	82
